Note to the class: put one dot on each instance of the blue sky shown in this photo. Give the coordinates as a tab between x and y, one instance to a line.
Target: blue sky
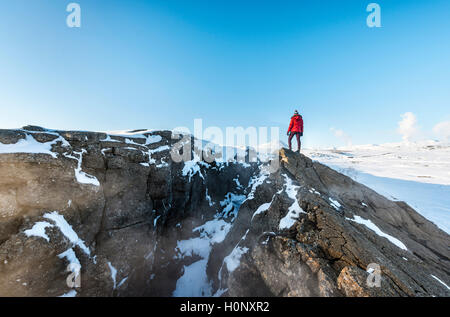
161	64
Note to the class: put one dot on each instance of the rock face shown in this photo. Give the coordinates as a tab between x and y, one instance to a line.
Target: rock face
117	216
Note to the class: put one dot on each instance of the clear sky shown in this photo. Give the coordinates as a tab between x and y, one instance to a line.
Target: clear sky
161	64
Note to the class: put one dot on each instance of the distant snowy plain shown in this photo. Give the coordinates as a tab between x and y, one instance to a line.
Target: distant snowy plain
415	172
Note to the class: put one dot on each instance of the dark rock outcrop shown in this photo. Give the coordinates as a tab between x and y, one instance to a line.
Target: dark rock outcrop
137	223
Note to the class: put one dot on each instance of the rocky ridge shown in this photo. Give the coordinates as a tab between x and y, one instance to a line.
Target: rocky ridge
139	224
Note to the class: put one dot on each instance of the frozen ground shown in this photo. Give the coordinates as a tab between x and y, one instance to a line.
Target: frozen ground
417	173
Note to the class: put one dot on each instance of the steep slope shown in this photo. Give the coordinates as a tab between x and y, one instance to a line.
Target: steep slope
137	223
343	228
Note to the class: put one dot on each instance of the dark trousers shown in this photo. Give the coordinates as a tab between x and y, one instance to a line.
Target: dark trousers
291	135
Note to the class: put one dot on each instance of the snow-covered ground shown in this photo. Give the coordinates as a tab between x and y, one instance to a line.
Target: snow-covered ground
417	173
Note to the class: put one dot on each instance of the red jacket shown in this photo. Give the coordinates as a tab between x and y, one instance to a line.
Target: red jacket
296	124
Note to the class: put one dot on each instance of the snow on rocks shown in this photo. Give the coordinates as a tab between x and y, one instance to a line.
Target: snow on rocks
30	145
336	205
113	274
74	263
231	204
370	225
72	293
256	181
208	198
122	282
130	135
151	160
262	209
193	166
294	210
314	191
437	279
67	230
38	230
233	260
194	281
82	177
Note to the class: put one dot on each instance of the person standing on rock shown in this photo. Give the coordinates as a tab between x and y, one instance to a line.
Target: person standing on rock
295	128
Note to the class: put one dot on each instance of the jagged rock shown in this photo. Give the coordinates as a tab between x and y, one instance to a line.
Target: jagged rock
140	222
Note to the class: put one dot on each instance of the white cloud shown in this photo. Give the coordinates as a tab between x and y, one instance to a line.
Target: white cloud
442	130
342	135
408	127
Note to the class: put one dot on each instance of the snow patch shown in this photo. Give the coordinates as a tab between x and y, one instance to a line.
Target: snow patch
67	230
369	224
72	293
38	230
192	167
234	258
82	177
74	263
437	279
335	203
256	181
122	282
294	210
194	281
30	145
113	273
231	204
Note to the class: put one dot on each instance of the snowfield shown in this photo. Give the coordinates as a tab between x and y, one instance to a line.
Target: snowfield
417	173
